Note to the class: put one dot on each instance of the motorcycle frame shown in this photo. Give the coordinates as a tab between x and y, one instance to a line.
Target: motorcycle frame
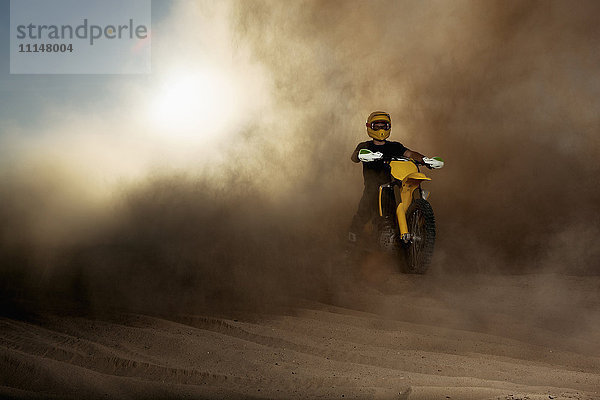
406	175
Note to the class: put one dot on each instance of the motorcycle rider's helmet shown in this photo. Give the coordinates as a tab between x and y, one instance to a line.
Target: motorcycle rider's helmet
379	125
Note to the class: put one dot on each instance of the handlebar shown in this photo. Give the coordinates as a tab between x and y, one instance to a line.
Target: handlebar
367	155
436	162
388	159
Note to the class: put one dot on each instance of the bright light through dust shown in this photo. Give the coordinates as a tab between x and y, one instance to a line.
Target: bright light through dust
198	104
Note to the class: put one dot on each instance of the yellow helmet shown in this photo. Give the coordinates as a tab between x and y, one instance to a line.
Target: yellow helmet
379	125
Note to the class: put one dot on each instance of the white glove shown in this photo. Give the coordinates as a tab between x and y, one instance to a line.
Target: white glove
368	156
435	162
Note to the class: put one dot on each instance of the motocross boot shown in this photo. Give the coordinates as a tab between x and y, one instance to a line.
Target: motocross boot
352	238
350	245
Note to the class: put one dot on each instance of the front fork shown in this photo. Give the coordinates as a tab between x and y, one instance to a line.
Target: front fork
406	195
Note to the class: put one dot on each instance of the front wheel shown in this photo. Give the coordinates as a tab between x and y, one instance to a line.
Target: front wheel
421	227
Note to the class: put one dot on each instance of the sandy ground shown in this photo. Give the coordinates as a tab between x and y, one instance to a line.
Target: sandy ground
380	335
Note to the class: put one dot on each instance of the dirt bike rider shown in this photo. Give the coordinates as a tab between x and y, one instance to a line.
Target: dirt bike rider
375	171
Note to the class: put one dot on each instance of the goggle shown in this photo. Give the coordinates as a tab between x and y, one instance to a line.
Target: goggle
378	125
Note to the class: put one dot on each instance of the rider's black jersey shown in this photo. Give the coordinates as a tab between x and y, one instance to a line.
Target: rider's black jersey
377	173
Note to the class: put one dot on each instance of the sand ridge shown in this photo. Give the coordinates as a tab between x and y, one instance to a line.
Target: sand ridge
351	347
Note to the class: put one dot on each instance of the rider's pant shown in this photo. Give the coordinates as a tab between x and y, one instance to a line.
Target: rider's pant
368	207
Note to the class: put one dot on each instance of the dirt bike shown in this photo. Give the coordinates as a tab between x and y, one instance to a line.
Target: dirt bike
407	226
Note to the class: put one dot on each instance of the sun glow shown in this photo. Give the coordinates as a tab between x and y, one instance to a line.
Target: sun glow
197	103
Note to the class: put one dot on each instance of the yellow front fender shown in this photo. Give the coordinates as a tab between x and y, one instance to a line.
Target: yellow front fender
418	175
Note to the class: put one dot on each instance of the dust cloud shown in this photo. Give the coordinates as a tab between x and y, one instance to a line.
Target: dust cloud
505	92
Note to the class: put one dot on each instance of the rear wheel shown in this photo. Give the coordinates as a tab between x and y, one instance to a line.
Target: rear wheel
421	227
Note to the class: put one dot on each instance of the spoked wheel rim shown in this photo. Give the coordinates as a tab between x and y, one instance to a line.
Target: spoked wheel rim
421	230
417	235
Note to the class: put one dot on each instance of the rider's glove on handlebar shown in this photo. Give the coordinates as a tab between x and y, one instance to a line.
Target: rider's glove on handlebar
368	156
434	162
